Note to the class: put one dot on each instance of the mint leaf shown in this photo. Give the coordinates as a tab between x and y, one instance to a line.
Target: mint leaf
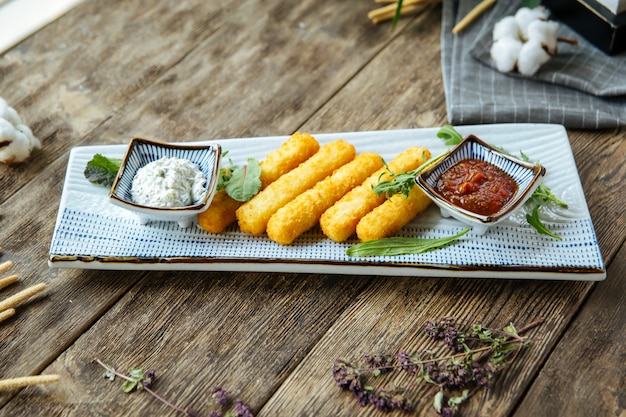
244	182
102	170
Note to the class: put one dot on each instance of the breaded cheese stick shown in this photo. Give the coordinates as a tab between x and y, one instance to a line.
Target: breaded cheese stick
303	212
340	220
391	216
295	150
254	214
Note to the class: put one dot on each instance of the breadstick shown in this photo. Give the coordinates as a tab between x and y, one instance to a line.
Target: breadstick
479	9
13	383
303	212
297	149
254	215
339	221
391	216
5	265
6	314
21	296
4	282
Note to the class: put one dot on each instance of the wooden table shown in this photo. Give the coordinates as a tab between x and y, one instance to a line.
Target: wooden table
183	71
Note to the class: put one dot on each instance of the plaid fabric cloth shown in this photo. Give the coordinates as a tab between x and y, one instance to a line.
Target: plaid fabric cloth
581	87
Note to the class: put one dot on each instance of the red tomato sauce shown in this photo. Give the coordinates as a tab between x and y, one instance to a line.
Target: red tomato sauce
477	186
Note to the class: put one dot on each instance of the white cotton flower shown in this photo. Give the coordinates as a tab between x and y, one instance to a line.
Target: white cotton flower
525	16
505	53
531	57
544	32
507	27
16	139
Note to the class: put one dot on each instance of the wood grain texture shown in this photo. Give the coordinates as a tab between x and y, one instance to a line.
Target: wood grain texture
110	70
586	373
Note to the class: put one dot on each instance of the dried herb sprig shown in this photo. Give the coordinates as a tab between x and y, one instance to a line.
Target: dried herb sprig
470	363
139	379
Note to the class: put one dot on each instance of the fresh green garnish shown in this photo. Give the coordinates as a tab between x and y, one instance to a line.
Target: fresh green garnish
102	170
544	195
393	246
535	222
244	182
403	182
396	16
449	135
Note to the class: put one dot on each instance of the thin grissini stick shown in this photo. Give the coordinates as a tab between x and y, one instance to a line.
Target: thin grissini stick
6	314
6	281
472	15
304	212
24	381
297	149
5	265
339	221
21	296
391	216
254	215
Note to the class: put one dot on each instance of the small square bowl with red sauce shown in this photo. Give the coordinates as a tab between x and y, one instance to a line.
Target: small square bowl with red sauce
478	184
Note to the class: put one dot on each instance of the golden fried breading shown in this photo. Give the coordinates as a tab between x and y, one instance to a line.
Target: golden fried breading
303	212
254	214
391	216
339	221
297	149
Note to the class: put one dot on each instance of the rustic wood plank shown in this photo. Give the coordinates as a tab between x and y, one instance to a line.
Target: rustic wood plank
600	160
389	316
71	76
244	333
94	112
586	373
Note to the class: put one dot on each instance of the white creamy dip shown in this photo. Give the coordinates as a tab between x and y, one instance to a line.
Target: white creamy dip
168	182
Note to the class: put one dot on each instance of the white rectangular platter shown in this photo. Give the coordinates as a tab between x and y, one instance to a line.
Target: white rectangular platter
91	233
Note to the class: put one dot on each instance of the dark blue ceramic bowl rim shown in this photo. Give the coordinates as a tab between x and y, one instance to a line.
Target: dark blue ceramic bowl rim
123	171
538	172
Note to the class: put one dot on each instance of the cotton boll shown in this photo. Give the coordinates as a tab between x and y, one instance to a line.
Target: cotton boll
544	32
524	16
16	139
505	53
531	57
507	27
8	113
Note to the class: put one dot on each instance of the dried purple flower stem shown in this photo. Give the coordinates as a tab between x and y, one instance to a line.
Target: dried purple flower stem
145	386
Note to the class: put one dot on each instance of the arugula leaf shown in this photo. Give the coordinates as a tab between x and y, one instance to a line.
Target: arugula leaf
102	170
535	222
393	246
244	182
450	135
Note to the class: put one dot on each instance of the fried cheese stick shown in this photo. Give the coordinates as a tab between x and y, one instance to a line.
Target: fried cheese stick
254	214
391	216
339	221
303	212
297	149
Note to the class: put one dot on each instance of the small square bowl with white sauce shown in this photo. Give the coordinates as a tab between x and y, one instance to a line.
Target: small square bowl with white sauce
143	152
527	177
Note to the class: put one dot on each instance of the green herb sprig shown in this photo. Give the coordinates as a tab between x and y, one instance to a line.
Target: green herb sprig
401	183
102	170
241	183
393	246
